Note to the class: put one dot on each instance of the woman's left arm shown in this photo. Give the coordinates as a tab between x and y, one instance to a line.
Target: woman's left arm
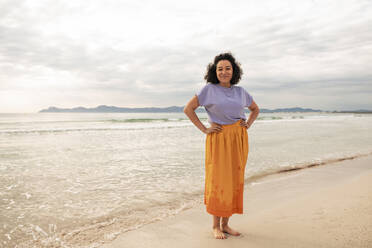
255	110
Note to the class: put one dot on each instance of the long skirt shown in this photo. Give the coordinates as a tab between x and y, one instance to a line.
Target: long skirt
226	155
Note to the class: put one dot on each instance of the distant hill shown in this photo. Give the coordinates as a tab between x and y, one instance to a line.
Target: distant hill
361	111
113	109
296	109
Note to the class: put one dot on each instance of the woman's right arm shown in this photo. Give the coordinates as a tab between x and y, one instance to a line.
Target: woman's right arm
189	110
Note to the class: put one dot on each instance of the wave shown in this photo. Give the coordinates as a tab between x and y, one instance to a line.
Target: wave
143	120
146	120
132	120
42	131
279	117
94	233
300	166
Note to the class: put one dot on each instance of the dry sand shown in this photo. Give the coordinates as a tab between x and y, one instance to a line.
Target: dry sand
323	206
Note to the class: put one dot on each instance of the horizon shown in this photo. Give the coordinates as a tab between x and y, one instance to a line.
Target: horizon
139	54
266	109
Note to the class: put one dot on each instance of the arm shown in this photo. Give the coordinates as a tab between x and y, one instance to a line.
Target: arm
189	110
253	115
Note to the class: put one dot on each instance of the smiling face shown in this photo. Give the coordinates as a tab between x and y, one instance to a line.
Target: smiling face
224	72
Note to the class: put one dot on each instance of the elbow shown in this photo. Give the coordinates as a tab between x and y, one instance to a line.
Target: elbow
257	111
186	110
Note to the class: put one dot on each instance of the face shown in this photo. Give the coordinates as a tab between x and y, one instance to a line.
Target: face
224	71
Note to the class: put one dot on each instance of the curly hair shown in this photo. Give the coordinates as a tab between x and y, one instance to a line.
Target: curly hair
211	75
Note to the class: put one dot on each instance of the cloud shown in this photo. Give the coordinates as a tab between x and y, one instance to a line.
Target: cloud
145	53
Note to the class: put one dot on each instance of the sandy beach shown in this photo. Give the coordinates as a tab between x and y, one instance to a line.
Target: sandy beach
322	206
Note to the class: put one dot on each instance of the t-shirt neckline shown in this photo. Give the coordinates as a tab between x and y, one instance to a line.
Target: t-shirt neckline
231	86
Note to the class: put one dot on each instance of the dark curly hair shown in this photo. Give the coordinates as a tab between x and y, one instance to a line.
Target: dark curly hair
211	76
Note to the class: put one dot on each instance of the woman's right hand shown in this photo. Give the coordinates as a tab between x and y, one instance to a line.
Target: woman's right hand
214	128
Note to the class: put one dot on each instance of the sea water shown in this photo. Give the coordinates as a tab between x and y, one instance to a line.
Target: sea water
80	179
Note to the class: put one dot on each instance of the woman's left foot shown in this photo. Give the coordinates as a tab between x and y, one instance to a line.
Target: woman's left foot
227	229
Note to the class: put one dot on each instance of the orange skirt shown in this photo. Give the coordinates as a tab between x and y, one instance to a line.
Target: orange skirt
226	155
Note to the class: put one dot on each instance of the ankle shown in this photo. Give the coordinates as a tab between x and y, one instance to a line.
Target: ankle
215	227
224	225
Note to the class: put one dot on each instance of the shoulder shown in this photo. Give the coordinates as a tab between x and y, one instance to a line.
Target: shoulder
206	93
243	92
208	87
239	88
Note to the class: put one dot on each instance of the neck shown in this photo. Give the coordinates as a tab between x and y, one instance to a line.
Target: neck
225	84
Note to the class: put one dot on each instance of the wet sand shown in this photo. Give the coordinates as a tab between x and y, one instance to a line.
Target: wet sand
322	206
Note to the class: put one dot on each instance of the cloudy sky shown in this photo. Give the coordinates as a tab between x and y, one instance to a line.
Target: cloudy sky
314	54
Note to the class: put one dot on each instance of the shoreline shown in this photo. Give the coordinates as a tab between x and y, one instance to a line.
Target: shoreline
302	166
322	206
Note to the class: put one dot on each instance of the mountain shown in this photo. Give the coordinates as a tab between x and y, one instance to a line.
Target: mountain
113	109
361	111
296	109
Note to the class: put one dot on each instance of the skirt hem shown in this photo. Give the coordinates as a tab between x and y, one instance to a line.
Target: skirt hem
220	213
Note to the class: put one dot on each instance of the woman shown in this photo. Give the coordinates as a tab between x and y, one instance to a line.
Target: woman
227	139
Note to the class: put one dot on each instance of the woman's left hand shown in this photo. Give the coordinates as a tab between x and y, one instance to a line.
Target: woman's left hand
243	123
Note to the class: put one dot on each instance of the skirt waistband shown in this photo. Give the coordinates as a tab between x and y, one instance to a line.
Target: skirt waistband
237	123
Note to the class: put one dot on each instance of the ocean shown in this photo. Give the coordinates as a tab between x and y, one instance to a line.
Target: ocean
80	179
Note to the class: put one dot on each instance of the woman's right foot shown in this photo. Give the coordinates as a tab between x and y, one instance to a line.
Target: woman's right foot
218	234
228	230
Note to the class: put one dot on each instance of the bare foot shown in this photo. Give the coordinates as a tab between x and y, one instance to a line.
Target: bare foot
228	230
218	234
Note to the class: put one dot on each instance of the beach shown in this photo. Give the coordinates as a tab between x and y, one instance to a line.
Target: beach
321	206
86	180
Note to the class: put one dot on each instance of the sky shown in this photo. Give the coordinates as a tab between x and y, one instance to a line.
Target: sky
310	54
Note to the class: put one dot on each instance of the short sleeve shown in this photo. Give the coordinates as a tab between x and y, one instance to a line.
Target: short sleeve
248	98
203	95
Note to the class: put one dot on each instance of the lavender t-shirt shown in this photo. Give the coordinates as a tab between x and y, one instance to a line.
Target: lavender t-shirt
224	105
